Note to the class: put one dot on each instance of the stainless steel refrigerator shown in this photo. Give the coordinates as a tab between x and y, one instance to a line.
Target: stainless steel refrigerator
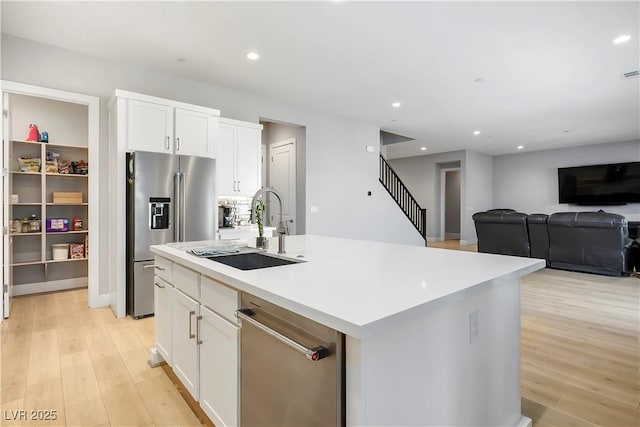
169	199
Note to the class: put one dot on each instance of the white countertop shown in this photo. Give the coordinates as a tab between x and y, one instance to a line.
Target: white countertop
242	228
361	287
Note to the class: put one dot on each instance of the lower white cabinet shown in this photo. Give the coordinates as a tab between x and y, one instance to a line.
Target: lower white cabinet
219	373
162	297
199	339
185	355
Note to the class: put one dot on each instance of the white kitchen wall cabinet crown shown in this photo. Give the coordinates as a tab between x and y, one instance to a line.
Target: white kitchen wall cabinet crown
239	166
164	126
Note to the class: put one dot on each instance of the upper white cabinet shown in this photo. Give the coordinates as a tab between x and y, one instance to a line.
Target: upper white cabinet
164	126
238	154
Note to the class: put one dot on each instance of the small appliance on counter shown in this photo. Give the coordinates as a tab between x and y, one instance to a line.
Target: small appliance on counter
226	218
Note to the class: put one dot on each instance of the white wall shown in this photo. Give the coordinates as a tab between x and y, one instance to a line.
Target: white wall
528	182
339	171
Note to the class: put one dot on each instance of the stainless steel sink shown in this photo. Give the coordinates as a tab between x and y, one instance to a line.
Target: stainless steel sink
252	260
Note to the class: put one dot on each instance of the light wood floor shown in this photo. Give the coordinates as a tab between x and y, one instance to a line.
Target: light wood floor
580	358
580	348
58	355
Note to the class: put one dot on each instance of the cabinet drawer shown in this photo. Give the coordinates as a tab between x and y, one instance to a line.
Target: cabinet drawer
188	281
164	269
220	298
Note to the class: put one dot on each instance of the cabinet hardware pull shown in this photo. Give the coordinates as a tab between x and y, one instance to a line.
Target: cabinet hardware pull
159	285
177	144
149	266
155	266
238	186
167	144
191	334
312	354
198	340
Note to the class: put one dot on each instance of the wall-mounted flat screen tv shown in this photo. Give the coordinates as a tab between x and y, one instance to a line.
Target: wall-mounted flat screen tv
613	184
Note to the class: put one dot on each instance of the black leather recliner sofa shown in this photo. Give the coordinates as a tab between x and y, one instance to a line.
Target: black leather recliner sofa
503	232
592	242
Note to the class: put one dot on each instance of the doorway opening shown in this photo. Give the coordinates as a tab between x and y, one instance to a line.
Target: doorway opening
450	203
284	170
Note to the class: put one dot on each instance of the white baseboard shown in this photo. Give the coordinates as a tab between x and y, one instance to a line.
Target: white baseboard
50	286
99	301
469	242
435	239
524	422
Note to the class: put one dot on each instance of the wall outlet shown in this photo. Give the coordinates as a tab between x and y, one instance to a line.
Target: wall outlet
474	327
314	209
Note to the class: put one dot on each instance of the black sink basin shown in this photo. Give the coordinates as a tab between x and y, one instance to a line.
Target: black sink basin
251	261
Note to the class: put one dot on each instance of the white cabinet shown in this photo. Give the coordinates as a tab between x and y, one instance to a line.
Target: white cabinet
219	373
163	297
185	355
195	133
150	127
238	154
164	126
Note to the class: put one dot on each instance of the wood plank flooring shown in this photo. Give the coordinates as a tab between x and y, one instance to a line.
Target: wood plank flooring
580	348
580	358
88	367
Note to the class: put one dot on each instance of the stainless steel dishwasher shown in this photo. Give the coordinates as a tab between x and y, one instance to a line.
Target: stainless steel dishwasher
292	368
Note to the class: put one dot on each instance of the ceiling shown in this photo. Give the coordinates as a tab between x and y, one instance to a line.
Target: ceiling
550	72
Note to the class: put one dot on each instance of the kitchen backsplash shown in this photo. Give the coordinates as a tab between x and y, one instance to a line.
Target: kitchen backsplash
241	208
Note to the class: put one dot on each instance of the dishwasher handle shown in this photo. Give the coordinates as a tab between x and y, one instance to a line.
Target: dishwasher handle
313	354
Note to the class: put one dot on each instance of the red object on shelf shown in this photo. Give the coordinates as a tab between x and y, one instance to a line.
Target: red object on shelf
77	224
34	134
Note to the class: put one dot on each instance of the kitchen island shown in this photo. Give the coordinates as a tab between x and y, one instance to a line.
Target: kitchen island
432	335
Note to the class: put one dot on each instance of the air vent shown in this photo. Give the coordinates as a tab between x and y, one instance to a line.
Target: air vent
631	74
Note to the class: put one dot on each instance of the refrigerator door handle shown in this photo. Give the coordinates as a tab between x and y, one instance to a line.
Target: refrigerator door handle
177	196
183	208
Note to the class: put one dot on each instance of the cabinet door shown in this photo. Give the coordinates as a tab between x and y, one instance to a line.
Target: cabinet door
219	370
248	160
162	308
225	160
184	348
195	132
149	127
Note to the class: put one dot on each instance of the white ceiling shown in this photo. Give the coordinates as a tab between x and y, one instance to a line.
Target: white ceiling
549	67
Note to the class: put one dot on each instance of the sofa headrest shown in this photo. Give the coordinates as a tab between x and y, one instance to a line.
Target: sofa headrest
537	218
500	217
588	219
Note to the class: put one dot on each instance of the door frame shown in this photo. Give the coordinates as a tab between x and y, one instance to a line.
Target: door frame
95	299
293	143
443	191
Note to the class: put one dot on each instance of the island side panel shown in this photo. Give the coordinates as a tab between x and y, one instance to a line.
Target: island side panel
433	371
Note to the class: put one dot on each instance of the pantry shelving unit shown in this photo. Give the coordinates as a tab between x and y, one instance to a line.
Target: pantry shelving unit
71	121
32	256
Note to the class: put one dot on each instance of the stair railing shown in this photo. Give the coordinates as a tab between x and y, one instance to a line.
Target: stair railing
403	197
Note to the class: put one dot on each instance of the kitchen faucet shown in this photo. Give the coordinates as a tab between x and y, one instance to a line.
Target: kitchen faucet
282	229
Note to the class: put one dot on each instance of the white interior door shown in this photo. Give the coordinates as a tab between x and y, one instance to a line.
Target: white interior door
7	283
282	177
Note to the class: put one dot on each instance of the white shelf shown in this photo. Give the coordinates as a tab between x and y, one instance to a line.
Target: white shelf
27	234
27	142
67	204
20	264
26	204
26	173
69	175
56	261
49	233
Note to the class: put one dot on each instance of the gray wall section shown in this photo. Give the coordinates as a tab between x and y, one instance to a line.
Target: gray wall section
276	132
452	202
528	182
479	192
339	171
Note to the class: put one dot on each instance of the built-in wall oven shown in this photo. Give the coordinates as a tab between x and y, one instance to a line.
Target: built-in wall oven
292	368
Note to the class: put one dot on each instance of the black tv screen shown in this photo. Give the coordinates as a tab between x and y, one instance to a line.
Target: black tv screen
613	184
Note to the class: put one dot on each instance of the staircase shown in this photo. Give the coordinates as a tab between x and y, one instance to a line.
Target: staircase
399	192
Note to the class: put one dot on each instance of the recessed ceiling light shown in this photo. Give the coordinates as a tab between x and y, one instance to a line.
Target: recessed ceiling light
396	105
480	80
252	56
520	147
423	148
566	131
476	132
622	39
181	60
